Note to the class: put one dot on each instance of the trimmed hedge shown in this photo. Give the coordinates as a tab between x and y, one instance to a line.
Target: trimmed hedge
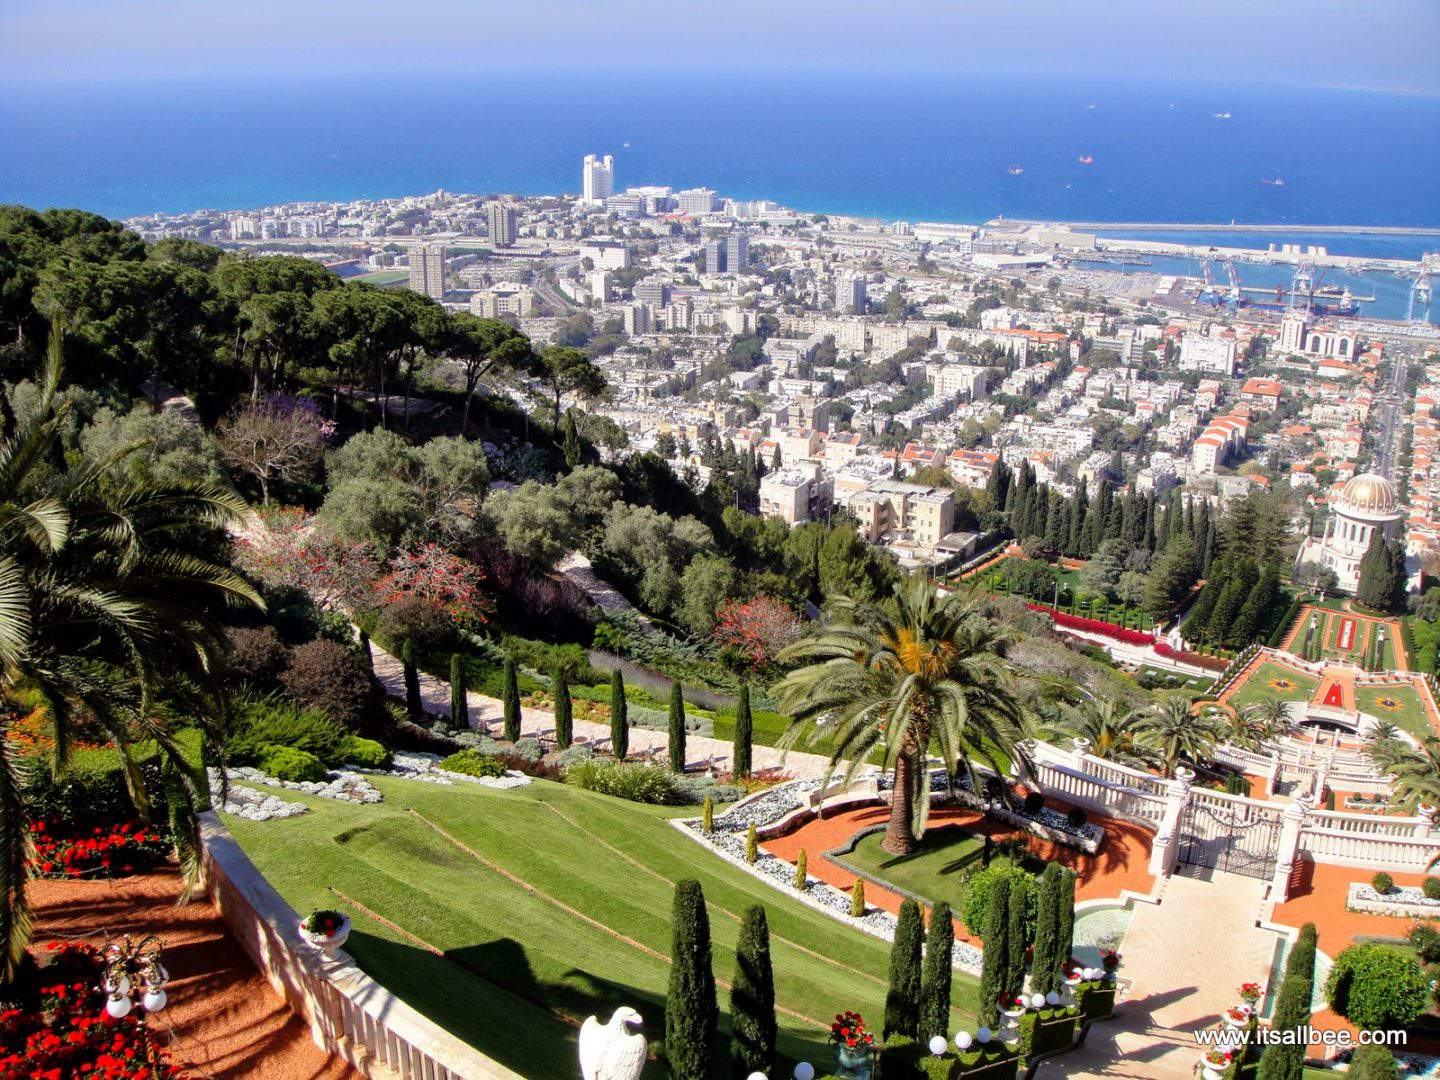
1095	1000
1048	1031
903	1058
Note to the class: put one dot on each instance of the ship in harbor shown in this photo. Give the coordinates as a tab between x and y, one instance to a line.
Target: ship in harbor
1015	170
1086	159
1273	181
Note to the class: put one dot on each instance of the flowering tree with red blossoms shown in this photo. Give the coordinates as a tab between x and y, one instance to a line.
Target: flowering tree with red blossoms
446	581
291	551
759	628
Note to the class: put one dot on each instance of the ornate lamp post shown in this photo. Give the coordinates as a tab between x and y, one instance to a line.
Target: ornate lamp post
133	969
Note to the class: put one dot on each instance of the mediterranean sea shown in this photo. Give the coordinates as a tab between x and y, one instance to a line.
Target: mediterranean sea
918	148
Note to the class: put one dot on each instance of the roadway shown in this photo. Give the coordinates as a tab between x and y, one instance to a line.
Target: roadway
1390	410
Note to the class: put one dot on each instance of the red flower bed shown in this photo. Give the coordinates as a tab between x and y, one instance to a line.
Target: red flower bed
122	849
1095	626
1210	663
72	1035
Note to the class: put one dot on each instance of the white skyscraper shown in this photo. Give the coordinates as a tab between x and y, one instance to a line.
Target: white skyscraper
427	269
598	178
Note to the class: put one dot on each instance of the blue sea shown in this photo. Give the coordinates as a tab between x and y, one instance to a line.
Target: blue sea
927	148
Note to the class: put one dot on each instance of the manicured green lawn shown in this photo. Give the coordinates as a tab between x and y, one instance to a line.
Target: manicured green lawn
513	955
1406	710
1258	688
938	868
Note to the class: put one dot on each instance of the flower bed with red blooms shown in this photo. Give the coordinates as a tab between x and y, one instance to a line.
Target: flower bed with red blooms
1095	626
1210	663
129	848
71	1036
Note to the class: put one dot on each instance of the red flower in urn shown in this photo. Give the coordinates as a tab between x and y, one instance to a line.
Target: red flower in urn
848	1030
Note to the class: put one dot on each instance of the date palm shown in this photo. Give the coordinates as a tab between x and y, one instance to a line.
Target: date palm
1260	724
898	677
1414	773
108	605
1176	733
1111	726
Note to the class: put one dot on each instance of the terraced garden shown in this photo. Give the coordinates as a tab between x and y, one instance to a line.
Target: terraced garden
1271	682
1396	704
508	916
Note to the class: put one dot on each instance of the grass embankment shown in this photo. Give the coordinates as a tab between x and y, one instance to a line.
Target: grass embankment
581	925
1398	704
1271	682
936	870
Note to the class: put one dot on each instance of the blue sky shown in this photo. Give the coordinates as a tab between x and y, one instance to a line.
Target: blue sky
1384	44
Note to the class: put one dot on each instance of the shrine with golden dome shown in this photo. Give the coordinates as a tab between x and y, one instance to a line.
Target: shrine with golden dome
1368	502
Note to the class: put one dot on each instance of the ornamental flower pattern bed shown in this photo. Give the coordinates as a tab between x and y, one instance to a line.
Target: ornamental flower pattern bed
71	1037
129	848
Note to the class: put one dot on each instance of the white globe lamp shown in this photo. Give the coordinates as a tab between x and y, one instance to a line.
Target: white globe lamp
154	1000
119	1007
1037	1001
804	1071
938	1044
963	1040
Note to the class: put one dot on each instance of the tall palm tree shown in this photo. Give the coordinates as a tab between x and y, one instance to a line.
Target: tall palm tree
1111	726
1414	774
1176	733
897	677
1260	724
108	598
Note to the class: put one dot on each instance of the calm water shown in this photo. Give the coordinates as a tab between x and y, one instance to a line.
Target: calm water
920	149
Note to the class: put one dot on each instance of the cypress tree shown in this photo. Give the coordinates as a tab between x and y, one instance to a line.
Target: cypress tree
995	960
510	701
1017	942
1374	589
802	871
752	844
1079	508
564	711
366	655
935	978
459	702
752	997
744	733
619	717
902	1000
677	728
414	706
857	898
1292	1010
1167	523
571	435
1064	921
1044	966
1150	540
691	1014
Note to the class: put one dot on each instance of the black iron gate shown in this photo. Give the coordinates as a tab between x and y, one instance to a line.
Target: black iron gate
1236	837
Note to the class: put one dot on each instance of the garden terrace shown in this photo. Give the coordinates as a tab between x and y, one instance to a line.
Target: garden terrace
1348	636
574	924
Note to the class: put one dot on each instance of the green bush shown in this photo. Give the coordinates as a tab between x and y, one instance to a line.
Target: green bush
1046	1031
1371	1062
1425	940
1431	887
630	780
261	723
1382	883
473	763
528	747
572	659
288	763
1377	986
366	753
980	886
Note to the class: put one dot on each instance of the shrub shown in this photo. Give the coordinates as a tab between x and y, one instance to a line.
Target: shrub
707	815
752	997
527	747
857	898
327	676
1076	817
413	618
630	780
1431	887
257	655
1424	938
261	723
1382	883
366	753
569	658
571	754
694	790
935	977
1376	986
473	763
800	871
1371	1062
752	845
902	1000
980	887
1033	803
288	763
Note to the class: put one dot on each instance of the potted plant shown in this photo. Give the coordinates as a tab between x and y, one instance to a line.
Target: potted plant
1250	993
1012	1007
853	1043
1073	975
1216	1062
325	929
1237	1016
1109	960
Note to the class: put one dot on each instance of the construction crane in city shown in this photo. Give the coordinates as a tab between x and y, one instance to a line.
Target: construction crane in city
1419	309
1302	288
1232	300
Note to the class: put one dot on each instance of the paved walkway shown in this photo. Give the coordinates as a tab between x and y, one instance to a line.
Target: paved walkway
225	1019
487	716
577	568
1185	960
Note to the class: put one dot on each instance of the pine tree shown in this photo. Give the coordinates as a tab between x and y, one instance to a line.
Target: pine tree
752	997
1170	579
676	739
744	733
1292	1010
902	1001
619	717
564	711
1044	965
414	706
691	1014
996	959
459	701
936	976
510	700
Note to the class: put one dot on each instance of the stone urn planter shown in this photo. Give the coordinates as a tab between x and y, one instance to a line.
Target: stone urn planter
1237	1016
325	930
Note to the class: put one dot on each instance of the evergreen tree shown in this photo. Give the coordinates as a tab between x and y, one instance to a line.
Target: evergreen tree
776	461
691	1014
1372	1062
902	1000
1017	944
366	654
995	959
752	997
744	732
677	727
564	711
1056	524
510	700
414	706
1167	523
1399	586
619	717
1151	542
1292	1010
1375	585
1170	579
1065	921
570	435
1257	604
936	976
1079	509
998	485
459	701
1044	962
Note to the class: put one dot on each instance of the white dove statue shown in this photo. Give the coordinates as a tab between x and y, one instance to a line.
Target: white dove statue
611	1051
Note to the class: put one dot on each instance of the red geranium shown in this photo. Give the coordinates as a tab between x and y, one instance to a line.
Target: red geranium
849	1030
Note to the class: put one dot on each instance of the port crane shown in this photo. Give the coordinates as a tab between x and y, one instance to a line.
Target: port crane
1419	309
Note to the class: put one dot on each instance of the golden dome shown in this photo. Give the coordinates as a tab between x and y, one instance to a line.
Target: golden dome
1370	493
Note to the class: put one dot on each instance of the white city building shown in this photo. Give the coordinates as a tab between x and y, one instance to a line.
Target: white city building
1367	503
597	178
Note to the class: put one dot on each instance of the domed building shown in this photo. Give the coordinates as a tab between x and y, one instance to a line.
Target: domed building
1367	503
